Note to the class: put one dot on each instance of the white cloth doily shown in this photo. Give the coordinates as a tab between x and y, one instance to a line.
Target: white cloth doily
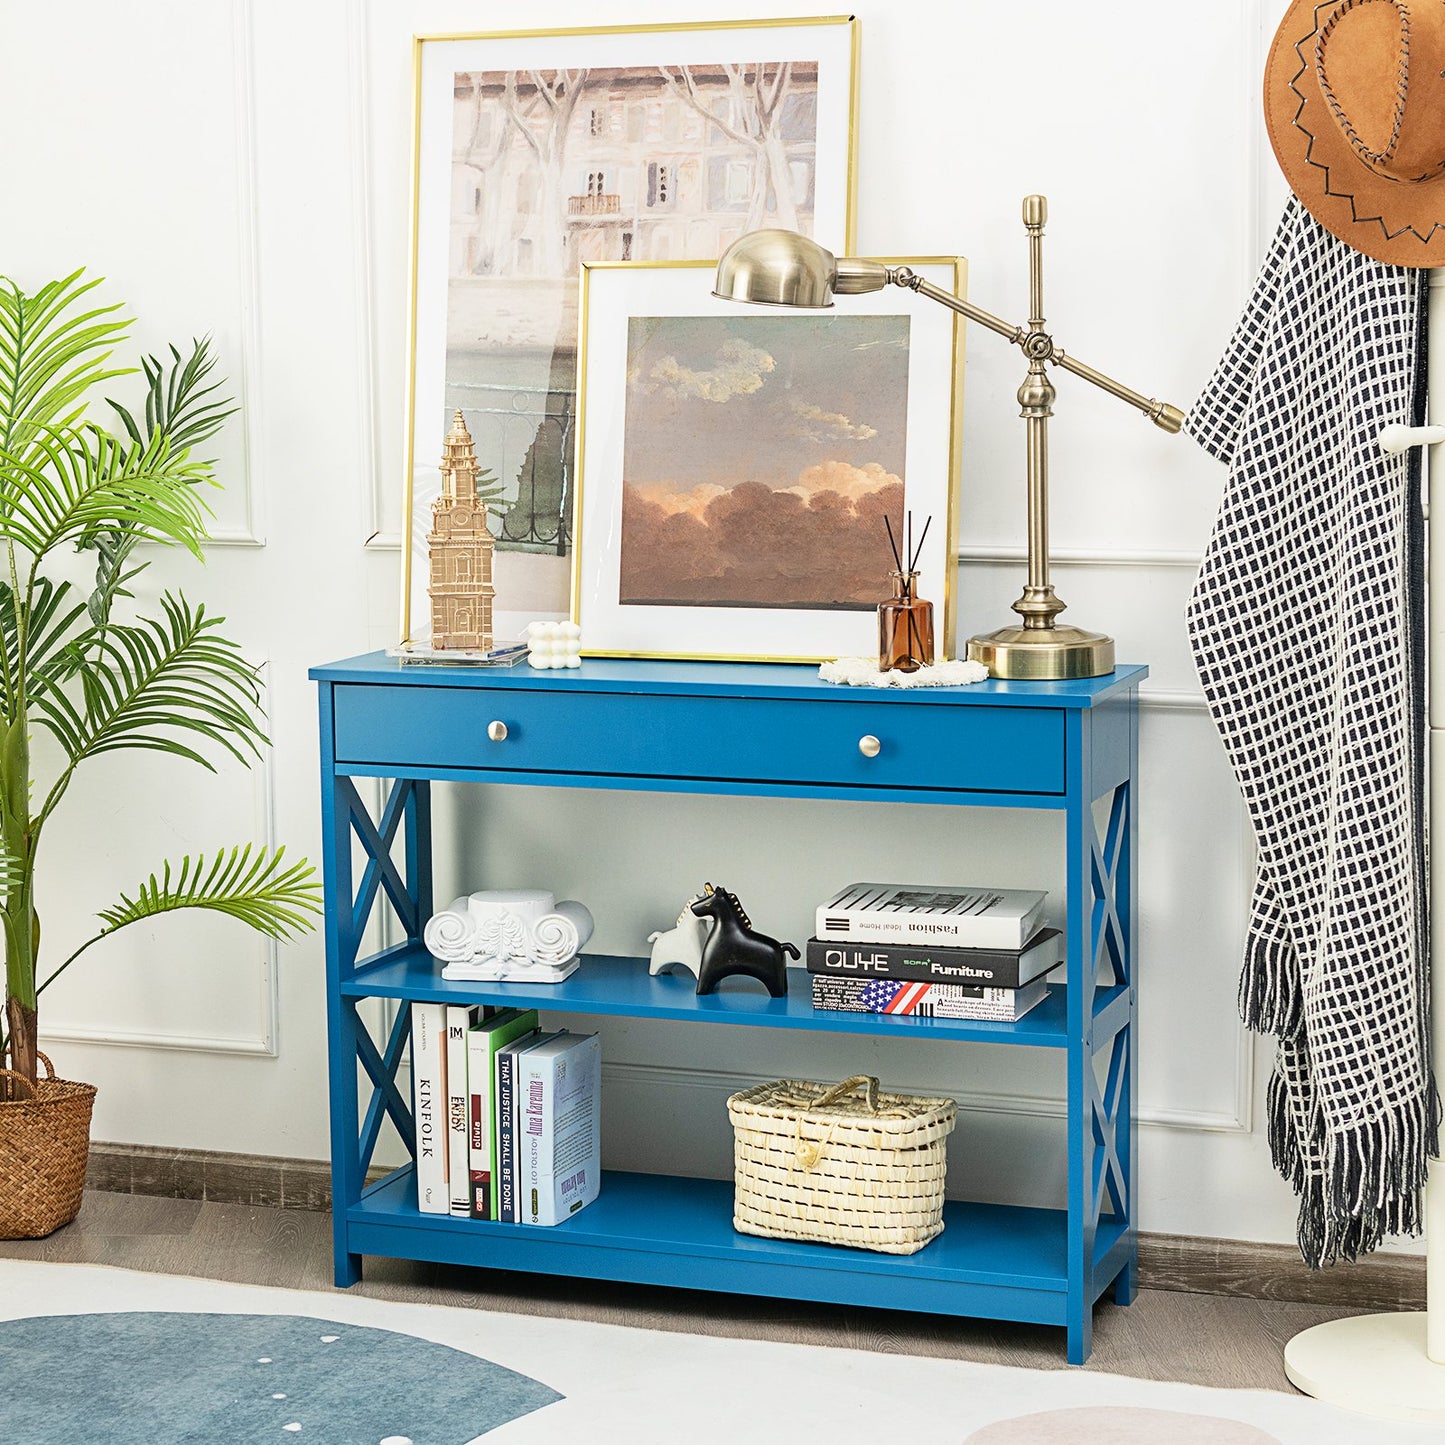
864	672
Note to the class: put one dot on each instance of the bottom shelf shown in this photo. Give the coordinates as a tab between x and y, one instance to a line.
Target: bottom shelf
992	1261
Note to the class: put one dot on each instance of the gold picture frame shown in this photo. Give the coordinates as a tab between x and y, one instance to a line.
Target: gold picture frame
626	91
658	351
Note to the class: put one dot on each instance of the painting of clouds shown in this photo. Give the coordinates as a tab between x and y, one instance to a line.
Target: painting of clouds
760	458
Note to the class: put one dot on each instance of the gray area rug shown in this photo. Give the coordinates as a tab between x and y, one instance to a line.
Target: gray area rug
150	1378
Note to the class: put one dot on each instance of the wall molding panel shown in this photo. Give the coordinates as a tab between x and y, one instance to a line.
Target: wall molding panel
182	1043
379	532
266	1042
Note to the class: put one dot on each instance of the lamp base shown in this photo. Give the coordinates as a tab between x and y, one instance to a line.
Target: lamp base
1036	654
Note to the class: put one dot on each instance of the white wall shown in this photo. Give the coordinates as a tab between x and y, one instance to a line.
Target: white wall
242	168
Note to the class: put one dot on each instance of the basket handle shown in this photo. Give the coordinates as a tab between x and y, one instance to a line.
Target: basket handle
846	1087
44	1059
19	1079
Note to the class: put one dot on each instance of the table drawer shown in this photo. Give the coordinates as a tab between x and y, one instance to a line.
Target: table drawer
986	749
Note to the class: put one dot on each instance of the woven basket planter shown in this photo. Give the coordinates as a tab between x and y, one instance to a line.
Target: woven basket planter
822	1164
44	1144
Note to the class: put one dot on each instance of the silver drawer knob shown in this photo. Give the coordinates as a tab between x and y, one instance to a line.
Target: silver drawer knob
869	746
497	731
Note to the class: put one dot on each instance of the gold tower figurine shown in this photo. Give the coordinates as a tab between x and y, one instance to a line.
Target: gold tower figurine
460	548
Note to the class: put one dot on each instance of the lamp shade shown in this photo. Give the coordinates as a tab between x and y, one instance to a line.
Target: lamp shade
776	268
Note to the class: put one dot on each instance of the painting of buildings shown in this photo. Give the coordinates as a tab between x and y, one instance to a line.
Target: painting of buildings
647	164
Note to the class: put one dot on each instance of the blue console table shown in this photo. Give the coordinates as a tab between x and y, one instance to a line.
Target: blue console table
747	729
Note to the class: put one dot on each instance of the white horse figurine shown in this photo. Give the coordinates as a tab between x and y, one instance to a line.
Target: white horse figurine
682	944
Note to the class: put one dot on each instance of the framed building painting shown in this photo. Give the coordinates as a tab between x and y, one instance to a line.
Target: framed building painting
736	464
537	153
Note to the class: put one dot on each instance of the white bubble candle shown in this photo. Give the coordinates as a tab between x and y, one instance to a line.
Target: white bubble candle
554	644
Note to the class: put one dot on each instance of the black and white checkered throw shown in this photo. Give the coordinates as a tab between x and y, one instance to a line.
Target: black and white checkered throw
1305	626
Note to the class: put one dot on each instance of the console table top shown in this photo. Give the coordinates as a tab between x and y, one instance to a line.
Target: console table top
723	679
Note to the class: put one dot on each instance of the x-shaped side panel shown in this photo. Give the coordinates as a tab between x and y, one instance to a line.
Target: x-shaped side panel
1105	858
377	841
386	1098
1104	1110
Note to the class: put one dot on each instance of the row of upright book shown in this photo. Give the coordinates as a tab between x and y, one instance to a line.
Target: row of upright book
508	1117
954	953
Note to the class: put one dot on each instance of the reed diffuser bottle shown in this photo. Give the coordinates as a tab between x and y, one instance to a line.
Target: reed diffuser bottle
905	620
905	627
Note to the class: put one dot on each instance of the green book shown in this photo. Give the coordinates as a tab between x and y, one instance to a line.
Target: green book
483	1042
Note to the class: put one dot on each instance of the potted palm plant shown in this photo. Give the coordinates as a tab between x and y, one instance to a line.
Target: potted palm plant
78	663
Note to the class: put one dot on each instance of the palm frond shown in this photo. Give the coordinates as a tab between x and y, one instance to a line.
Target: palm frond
79	480
256	886
181	406
111	572
52	351
49	621
150	684
179	403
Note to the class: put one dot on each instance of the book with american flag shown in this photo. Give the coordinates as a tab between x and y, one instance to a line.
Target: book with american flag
926	1000
932	963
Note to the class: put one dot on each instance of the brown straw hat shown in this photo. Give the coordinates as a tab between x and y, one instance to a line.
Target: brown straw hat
1354	95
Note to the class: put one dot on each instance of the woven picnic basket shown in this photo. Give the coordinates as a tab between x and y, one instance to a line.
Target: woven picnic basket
822	1163
44	1144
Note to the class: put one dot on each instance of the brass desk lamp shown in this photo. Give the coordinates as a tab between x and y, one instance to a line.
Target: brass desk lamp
782	268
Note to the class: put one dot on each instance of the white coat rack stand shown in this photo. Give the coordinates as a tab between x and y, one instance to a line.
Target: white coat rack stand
1393	1366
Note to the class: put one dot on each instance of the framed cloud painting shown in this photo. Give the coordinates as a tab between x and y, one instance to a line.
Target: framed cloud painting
736	464
537	153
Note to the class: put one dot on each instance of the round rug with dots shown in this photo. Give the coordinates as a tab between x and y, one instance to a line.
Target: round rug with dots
152	1376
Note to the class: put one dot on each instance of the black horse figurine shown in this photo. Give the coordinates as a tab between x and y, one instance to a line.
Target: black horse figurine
734	948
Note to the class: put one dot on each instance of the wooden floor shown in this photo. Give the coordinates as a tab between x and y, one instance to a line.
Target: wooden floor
1200	1339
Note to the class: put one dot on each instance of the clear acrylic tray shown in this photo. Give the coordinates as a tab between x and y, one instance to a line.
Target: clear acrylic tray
504	654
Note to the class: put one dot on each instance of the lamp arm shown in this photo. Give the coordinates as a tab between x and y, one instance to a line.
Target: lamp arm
1161	413
902	276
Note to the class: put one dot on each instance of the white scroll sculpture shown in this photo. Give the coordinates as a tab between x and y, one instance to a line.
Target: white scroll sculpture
509	935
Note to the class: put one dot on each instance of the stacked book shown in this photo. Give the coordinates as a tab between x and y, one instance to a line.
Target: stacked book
955	953
507	1116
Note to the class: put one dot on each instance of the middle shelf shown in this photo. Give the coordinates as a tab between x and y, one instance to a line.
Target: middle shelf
606	984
